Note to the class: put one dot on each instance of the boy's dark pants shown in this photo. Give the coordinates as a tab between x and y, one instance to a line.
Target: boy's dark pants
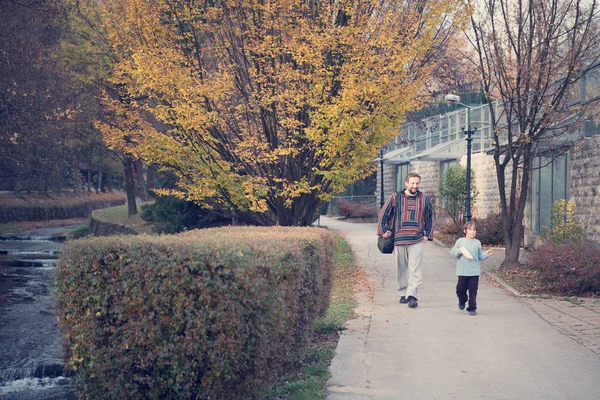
470	283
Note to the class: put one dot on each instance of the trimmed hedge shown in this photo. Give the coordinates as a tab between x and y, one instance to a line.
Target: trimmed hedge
207	314
43	207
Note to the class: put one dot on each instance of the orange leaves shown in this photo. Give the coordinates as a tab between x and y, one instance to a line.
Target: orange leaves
265	104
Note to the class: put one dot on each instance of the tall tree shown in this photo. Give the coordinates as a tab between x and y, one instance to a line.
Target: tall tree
31	104
268	107
45	129
531	55
88	57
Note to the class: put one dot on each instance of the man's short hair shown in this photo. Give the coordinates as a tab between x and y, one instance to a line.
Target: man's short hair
412	175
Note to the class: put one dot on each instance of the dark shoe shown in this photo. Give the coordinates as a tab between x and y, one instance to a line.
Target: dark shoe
412	302
461	306
472	312
403	300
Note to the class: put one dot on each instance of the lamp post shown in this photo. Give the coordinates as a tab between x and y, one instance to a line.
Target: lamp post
455	99
381	200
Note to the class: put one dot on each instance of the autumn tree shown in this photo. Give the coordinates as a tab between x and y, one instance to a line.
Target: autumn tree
267	107
88	57
531	56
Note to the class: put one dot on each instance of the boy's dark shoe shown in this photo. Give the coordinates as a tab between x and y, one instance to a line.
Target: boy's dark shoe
403	300
412	302
472	312
461	306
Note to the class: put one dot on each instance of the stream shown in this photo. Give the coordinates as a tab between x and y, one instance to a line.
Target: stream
31	362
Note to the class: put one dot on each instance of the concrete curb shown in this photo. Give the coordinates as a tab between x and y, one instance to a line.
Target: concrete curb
502	283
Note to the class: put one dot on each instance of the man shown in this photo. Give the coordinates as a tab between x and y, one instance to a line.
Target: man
412	214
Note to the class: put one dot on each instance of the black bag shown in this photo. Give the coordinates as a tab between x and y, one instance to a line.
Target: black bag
386	246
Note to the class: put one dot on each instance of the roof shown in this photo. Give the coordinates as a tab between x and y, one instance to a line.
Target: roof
452	150
398	156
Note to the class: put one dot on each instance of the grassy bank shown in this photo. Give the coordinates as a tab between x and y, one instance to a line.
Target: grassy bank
118	215
20	207
16	227
307	376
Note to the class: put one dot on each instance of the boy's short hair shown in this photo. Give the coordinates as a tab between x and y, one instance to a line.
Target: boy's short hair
467	225
412	175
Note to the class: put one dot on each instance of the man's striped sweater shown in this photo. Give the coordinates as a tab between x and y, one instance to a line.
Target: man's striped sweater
413	217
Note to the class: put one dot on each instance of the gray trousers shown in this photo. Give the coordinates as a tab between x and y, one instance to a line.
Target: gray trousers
409	273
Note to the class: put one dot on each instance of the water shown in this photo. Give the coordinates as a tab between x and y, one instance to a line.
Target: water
31	361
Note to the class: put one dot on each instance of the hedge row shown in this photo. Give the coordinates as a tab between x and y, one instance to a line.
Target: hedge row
56	206
208	314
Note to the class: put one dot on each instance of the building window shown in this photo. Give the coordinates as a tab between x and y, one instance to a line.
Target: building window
549	182
444	165
401	172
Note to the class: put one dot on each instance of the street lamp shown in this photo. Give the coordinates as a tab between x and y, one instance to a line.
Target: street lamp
455	99
382	200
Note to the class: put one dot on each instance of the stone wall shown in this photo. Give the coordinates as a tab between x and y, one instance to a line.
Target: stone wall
389	181
585	184
430	176
488	200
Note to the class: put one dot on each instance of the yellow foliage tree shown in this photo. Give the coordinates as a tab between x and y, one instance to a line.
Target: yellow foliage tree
267	107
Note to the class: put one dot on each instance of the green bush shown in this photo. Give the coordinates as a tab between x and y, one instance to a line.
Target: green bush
172	215
453	193
80	232
208	314
564	227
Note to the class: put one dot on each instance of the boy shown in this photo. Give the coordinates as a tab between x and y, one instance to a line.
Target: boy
469	253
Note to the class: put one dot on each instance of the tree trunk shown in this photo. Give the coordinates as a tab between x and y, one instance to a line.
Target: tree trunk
513	248
140	182
513	224
129	186
152	177
89	181
99	185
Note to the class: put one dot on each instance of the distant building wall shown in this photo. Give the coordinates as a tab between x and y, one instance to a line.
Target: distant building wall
585	184
389	181
488	200
430	175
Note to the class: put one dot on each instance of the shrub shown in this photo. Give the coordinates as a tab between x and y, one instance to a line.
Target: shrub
564	227
490	230
351	209
569	268
172	215
453	191
80	232
449	228
209	314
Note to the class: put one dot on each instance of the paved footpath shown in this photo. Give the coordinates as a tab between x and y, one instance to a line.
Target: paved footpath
510	350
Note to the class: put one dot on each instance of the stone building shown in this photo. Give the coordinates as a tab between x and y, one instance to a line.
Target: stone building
430	145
